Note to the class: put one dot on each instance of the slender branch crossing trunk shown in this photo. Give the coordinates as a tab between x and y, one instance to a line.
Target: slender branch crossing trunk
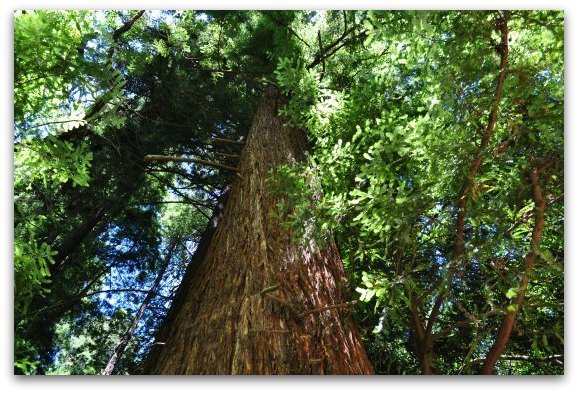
508	323
258	303
121	346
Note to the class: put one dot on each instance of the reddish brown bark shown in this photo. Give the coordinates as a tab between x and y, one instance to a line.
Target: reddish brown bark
259	303
423	341
508	323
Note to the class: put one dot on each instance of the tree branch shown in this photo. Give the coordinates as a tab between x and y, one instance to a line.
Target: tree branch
558	359
182	195
508	323
159	158
461	323
226	141
464	192
123	29
334	45
127	26
123	290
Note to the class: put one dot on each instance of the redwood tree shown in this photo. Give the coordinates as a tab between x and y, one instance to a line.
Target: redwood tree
259	303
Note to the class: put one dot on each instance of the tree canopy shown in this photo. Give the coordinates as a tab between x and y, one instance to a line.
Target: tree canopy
436	162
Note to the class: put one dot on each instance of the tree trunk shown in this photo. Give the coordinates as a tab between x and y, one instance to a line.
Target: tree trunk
258	303
125	339
76	236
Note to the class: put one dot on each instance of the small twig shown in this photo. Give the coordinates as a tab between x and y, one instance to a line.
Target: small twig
554	358
555	200
269	289
221	140
461	323
333	47
195	202
466	98
549	305
428	292
285	303
179	193
227	155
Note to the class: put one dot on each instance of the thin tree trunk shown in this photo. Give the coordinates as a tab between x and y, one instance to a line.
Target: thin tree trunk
45	314
70	243
110	206
508	323
121	346
258	303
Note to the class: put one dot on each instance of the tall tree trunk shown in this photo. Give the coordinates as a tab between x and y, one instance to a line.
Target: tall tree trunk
125	339
258	303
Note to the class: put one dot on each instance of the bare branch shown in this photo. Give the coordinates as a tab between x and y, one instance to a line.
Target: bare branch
159	158
226	141
333	47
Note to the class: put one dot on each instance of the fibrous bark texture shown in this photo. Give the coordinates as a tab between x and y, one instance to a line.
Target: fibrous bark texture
258	303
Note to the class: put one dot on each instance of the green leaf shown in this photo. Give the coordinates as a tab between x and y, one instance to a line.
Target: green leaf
512	292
